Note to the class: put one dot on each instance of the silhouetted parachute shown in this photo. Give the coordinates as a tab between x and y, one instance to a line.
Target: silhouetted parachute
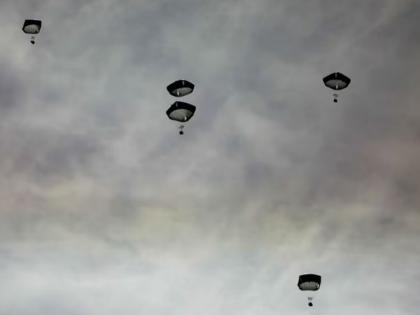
309	282
182	112
32	27
336	81
180	88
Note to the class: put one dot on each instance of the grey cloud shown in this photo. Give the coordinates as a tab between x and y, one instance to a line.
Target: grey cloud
105	209
12	89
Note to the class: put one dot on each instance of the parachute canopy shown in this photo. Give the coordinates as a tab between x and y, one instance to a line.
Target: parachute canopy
31	26
336	81
180	111
309	282
180	88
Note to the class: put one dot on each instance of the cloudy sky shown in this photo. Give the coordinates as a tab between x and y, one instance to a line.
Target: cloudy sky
105	209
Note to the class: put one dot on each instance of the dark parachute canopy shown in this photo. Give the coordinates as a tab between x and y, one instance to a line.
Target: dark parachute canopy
180	88
336	81
309	282
182	112
32	27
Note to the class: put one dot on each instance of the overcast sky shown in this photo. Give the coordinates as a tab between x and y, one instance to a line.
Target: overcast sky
105	209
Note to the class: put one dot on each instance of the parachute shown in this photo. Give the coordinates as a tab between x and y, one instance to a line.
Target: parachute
181	112
336	81
32	27
309	282
180	88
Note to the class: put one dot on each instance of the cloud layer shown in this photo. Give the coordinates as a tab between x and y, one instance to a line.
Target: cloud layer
106	210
